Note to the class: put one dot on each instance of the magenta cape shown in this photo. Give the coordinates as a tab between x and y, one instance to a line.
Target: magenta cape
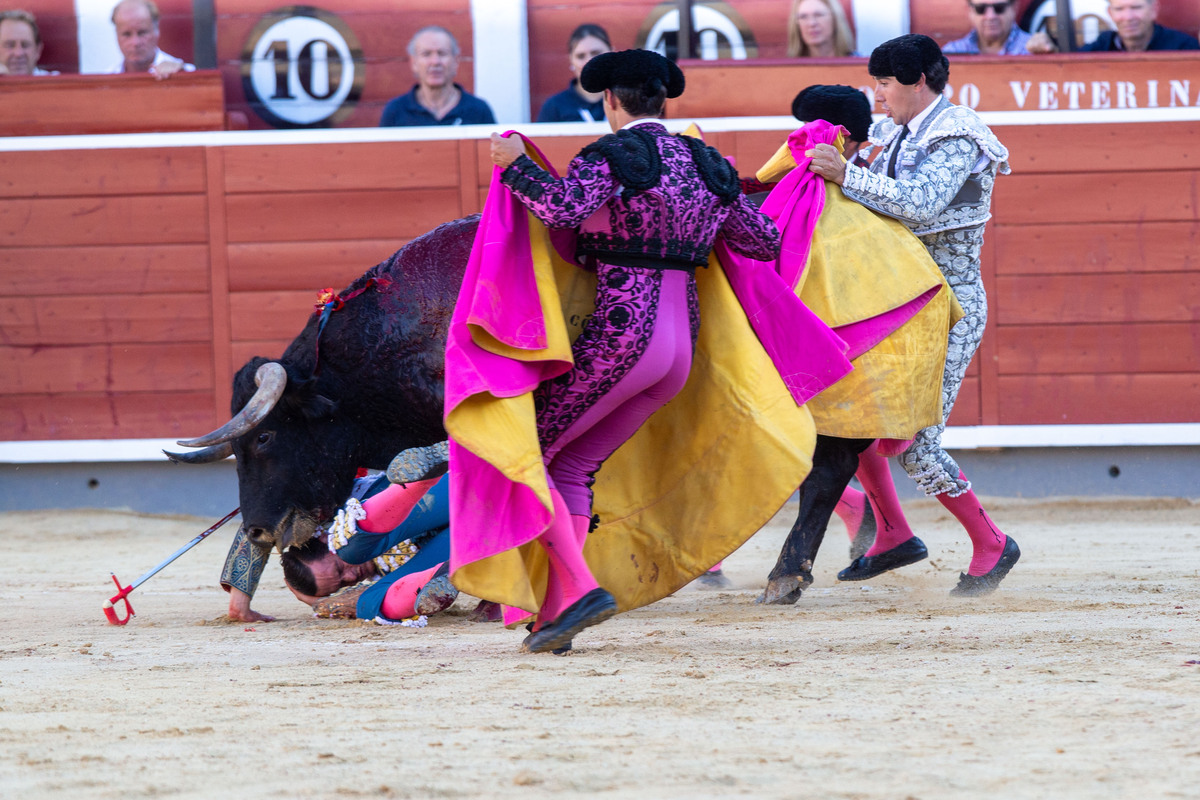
737	436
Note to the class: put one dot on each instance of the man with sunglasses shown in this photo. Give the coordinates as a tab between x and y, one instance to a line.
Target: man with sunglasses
994	31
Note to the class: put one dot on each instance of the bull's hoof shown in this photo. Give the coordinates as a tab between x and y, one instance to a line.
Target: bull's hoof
783	591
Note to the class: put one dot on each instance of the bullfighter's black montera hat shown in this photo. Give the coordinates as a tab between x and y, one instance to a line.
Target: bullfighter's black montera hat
906	58
633	69
841	105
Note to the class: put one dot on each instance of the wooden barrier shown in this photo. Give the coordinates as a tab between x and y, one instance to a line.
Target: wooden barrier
87	104
137	276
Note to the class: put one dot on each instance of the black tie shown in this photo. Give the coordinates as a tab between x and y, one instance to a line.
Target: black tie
896	152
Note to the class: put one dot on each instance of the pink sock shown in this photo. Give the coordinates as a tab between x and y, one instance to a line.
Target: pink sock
401	598
388	509
851	508
891	528
987	541
567	566
581	524
717	566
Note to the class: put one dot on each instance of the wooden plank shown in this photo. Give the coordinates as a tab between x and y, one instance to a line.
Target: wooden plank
1099	247
113	368
59	173
1099	349
1099	399
1096	148
269	315
94	415
1100	197
136	220
126	103
752	149
341	167
87	319
267	348
304	216
967	410
222	359
147	269
1135	297
267	266
468	175
985	359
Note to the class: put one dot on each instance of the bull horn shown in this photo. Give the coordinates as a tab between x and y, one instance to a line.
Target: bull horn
271	380
206	456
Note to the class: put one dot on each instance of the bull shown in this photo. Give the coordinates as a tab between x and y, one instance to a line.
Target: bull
350	391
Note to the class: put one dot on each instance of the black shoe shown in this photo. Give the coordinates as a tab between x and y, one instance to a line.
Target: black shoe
558	651
864	567
437	595
591	609
713	580
420	464
979	585
864	537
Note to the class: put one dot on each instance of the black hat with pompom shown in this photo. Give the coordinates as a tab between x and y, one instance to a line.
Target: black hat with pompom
906	58
632	69
840	105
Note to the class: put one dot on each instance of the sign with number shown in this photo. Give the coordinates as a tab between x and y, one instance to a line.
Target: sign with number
302	67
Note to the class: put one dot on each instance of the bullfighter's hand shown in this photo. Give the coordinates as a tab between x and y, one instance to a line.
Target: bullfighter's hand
166	69
240	610
505	151
827	162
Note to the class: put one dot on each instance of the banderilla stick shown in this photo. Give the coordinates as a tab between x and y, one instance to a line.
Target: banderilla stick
122	594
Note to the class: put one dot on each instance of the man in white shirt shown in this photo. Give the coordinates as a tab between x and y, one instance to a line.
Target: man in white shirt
136	22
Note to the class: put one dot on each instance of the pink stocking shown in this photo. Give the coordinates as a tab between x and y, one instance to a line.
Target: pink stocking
401	598
987	540
570	577
388	509
876	477
851	508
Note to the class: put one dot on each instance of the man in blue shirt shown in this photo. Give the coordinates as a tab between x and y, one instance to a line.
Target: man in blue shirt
435	99
994	31
1137	30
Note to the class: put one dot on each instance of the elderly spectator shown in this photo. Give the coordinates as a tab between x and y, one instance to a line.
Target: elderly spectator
994	31
136	22
20	44
819	29
435	99
573	104
1138	30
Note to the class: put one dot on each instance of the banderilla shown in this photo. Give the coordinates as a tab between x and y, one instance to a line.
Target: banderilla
122	594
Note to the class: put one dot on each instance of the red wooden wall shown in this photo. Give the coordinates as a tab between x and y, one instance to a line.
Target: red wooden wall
134	281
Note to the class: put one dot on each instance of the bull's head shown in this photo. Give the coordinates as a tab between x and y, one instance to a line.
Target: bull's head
294	464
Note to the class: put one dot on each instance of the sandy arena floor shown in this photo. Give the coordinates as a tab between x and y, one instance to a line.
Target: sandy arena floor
1080	678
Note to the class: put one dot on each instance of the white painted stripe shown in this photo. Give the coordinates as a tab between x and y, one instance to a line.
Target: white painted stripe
536	130
86	451
877	21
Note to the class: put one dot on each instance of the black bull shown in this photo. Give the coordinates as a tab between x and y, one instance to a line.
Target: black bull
371	384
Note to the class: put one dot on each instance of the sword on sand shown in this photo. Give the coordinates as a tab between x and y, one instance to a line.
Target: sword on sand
122	595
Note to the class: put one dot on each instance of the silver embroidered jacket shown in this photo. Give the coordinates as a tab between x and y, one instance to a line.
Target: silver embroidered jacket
938	186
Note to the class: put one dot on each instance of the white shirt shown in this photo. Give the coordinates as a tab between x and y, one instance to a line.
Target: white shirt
159	58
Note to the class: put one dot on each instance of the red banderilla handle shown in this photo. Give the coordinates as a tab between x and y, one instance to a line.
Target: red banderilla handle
122	595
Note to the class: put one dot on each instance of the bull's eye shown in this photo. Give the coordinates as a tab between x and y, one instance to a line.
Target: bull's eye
264	437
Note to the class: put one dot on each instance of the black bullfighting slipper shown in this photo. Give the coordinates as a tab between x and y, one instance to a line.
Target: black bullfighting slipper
864	537
591	609
979	585
420	463
862	568
713	579
437	595
558	651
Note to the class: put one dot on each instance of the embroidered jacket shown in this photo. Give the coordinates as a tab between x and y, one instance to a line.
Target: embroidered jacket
944	174
643	196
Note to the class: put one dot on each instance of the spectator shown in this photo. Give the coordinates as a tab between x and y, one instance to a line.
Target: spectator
573	103
136	22
1138	30
20	44
819	29
994	31
435	99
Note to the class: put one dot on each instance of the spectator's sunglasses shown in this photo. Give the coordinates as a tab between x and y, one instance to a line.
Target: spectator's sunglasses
997	8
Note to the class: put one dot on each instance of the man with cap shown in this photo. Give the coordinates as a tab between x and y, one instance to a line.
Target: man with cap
648	207
935	172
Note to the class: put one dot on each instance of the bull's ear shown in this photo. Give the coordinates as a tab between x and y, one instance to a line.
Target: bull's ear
318	406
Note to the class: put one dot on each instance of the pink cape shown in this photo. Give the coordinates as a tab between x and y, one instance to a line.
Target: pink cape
493	513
